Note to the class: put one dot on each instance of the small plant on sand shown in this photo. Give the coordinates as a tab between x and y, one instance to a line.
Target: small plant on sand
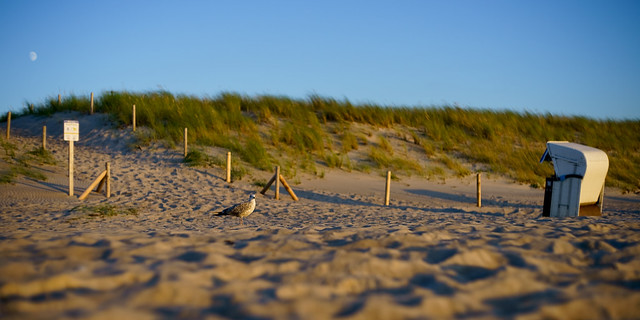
394	176
363	167
9	149
197	158
144	137
333	160
260	183
21	165
435	173
385	145
455	166
104	210
384	161
41	155
349	142
28	171
238	172
255	154
7	177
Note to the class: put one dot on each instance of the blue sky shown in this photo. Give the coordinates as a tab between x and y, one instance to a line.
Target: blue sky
563	57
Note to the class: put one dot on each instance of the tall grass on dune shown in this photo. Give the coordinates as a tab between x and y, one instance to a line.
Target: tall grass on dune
262	129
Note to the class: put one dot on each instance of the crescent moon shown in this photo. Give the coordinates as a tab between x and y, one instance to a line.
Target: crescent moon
33	56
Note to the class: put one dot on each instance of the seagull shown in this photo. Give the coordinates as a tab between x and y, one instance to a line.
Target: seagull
242	210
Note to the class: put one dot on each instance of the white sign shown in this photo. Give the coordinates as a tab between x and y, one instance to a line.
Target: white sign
71	130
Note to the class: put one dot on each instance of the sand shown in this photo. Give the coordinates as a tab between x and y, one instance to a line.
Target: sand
336	253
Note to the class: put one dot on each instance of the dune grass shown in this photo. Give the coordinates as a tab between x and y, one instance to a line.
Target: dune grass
267	130
22	164
104	210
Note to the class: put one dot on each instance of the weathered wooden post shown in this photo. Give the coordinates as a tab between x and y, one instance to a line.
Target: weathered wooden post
108	177
387	189
71	134
277	182
44	137
8	125
185	142
102	179
266	187
288	188
229	167
70	167
277	178
479	190
134	118
91	109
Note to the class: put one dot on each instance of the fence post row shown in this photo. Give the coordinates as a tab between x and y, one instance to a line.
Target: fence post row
104	178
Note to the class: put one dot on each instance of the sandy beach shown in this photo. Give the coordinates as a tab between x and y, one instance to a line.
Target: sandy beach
338	252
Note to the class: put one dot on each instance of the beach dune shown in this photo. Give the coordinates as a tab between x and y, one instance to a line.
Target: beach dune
155	249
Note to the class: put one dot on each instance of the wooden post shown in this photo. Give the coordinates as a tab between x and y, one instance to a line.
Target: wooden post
98	182
8	125
31	108
387	189
266	187
71	168
59	100
44	137
277	178
91	110
479	189
185	142
134	118
103	178
288	188
277	182
108	178
102	181
229	167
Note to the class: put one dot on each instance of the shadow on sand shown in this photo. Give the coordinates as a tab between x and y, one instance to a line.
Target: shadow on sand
47	186
310	195
471	200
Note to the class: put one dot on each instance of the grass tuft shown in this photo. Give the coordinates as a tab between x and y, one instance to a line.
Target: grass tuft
42	156
21	165
105	210
197	158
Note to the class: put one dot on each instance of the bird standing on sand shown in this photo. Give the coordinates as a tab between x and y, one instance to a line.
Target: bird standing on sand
242	210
